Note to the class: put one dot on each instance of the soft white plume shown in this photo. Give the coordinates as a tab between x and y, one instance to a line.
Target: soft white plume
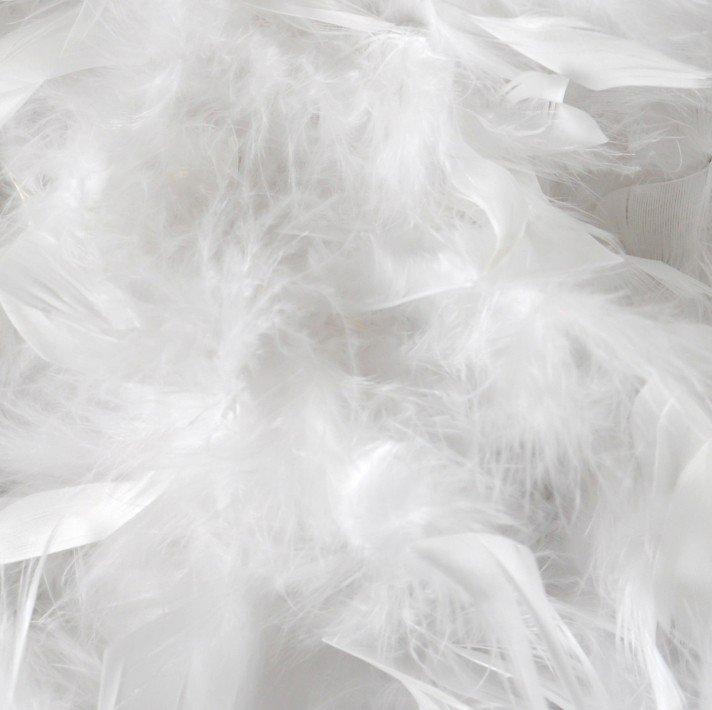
355	354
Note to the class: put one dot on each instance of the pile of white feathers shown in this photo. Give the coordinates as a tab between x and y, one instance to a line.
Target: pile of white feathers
355	354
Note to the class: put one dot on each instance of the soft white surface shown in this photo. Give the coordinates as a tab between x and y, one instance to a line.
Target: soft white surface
355	354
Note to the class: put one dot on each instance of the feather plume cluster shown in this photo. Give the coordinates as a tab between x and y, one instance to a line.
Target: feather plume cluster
355	354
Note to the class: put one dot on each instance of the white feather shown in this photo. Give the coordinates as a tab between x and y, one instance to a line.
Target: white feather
385	322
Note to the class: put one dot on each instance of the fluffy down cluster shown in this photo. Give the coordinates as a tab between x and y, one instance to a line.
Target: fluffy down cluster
355	354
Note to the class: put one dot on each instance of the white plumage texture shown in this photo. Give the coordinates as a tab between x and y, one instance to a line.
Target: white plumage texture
355	354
